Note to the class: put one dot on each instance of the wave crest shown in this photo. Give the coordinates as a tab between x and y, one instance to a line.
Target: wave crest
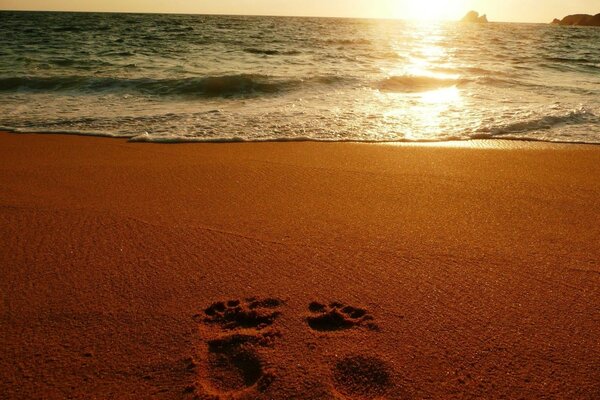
241	85
578	116
272	52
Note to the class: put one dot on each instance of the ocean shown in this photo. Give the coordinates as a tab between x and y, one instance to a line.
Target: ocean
177	78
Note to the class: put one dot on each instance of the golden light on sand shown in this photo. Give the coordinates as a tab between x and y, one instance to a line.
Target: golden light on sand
430	10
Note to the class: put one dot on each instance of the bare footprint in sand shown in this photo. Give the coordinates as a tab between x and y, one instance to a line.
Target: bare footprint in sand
362	377
251	313
235	331
354	376
338	316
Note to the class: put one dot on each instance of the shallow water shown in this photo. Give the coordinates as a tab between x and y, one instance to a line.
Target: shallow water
218	78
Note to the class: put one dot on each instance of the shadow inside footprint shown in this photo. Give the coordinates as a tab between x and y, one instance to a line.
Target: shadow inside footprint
234	370
234	332
234	364
362	376
337	316
251	313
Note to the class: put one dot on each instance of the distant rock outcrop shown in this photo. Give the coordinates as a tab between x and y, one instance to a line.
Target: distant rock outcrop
473	16
579	20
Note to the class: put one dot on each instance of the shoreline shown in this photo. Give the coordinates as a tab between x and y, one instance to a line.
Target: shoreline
478	265
474	142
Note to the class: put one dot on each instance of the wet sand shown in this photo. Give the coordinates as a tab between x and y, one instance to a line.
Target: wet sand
298	270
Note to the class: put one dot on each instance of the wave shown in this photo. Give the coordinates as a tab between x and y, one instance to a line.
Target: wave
344	42
74	29
569	59
146	138
62	62
73	132
579	116
174	138
242	85
272	52
413	83
506	82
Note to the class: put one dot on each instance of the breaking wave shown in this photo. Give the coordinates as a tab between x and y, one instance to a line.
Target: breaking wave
579	116
242	85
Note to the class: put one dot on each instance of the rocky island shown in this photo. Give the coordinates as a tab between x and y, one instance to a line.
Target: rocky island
579	20
473	16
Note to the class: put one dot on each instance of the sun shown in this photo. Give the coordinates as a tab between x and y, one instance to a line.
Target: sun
430	10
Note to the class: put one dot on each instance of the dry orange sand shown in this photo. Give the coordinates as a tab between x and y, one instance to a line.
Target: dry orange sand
297	270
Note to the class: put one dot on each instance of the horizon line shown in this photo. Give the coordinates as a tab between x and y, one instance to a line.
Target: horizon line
268	15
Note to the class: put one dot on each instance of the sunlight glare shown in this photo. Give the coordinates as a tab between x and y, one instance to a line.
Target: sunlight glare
427	116
435	93
449	95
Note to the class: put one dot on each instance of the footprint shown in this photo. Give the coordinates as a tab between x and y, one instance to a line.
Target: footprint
338	316
251	313
235	331
362	377
234	365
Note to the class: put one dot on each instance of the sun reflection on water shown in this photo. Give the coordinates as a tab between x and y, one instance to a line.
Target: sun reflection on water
421	113
425	116
450	95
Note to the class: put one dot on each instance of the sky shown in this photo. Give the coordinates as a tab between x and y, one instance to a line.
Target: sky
497	10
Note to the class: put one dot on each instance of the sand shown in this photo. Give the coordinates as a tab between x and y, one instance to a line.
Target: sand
298	270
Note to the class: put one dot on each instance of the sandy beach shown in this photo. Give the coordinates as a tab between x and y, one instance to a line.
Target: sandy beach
298	270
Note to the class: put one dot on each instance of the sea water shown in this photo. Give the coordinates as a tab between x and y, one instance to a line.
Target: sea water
169	78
